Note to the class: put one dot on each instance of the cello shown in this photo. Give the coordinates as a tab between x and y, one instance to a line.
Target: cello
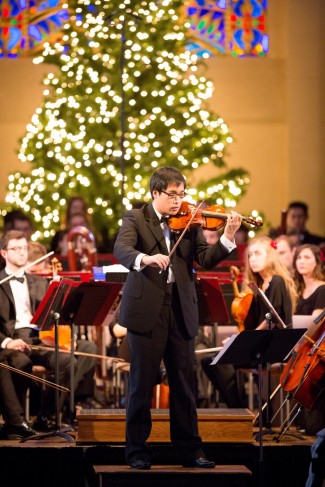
304	374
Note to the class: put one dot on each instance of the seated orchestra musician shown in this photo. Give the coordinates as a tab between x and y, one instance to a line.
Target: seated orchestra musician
19	298
309	275
263	266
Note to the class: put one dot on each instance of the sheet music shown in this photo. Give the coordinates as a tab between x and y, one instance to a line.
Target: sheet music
224	348
257	291
115	268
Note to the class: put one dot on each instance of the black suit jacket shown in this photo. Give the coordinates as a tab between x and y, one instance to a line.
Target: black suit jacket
144	291
37	288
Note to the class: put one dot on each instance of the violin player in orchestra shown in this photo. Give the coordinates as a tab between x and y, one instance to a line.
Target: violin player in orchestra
159	310
263	266
309	275
19	298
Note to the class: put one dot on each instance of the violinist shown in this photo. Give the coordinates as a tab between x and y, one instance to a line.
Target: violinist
159	310
263	266
309	273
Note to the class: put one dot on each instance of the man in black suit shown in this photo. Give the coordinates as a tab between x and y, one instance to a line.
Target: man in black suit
19	299
159	310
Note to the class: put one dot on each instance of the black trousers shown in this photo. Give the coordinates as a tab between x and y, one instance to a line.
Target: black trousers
10	407
169	342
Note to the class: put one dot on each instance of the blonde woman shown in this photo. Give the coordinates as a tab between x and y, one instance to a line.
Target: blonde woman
264	267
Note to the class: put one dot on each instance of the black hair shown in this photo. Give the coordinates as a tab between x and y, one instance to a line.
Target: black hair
299	204
163	176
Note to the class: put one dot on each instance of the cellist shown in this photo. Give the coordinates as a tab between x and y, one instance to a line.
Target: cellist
309	275
19	299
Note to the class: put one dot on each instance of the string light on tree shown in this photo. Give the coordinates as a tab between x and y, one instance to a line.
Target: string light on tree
73	141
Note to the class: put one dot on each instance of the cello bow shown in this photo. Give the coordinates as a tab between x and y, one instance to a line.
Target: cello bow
34	377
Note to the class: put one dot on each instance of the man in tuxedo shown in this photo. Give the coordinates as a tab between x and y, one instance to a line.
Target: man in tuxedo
159	310
19	299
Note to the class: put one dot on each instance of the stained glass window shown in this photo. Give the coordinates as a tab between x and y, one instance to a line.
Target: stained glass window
235	27
25	24
220	27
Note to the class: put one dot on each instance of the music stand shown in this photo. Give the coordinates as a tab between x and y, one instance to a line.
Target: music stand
211	303
73	303
86	304
45	317
270	317
258	347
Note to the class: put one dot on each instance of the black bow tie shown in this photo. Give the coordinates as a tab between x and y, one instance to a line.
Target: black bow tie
20	279
164	219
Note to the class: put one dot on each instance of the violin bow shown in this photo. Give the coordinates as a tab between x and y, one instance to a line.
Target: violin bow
34	377
208	350
83	354
14	274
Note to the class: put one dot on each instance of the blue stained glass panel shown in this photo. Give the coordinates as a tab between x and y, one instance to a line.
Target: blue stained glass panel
236	27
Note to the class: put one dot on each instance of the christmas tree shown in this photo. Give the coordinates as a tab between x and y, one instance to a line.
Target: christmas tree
124	97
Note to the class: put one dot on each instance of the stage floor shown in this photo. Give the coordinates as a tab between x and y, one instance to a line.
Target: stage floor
56	462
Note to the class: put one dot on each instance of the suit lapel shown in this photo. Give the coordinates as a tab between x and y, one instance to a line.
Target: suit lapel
6	287
155	228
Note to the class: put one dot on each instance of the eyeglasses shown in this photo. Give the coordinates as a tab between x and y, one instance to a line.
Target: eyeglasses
175	196
18	249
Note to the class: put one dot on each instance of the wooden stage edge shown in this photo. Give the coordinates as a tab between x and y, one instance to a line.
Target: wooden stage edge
215	425
54	462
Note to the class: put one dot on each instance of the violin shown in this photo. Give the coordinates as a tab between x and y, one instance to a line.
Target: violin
64	337
241	302
304	373
212	217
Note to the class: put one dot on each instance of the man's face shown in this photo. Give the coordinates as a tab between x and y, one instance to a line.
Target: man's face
296	219
169	201
285	253
16	253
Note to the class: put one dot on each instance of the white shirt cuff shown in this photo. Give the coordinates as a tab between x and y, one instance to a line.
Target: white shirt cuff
227	243
137	266
5	341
